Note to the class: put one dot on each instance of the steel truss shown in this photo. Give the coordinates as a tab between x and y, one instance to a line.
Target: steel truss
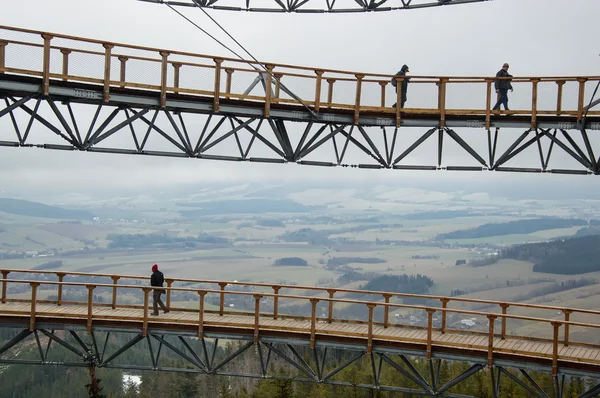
304	6
321	369
235	134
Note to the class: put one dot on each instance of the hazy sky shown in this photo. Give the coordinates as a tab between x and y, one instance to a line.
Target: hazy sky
537	37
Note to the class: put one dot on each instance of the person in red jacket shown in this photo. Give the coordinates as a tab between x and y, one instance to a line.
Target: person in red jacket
156	280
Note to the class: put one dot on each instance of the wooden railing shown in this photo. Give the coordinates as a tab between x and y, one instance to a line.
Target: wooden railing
52	56
493	315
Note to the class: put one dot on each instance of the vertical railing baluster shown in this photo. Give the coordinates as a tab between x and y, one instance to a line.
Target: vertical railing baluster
386	313
359	78
268	91
229	73
34	286
567	313
399	81
169	284
146	303
534	95
122	70
504	307
277	93
488	104
383	86
164	72
444	301
559	96
442	101
217	93
313	322
65	60
370	332
3	44
201	293
61	276
491	319
330	82
90	305
430	312
115	279
330	312
4	287
257	298
176	70
276	301
222	298
580	102
555	326
46	63
107	59
318	89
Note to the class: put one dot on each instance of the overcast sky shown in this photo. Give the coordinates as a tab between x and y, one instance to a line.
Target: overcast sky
537	37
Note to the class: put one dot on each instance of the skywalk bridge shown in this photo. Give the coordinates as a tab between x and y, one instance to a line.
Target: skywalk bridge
290	321
69	93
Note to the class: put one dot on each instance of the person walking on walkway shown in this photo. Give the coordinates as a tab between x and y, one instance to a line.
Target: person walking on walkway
404	86
156	280
502	86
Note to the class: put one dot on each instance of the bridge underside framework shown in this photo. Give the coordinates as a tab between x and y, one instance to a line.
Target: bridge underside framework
67	93
314	6
199	356
75	117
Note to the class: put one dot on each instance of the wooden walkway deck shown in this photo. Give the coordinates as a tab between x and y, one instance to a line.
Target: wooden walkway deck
576	356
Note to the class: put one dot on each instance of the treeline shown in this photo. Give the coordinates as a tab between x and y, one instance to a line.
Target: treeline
294	261
512	227
335	262
415	284
142	241
568	256
49	265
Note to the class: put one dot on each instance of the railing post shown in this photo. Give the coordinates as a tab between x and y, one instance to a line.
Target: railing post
430	312
330	312
441	101
229	73
488	103
61	276
370	335
201	293
386	314
222	297
3	45
580	103
567	313
383	86
107	58
268	90
276	301
34	286
46	63
123	69
217	93
504	307
359	78
115	279
534	93
169	283
313	322
555	325
491	319
399	81
277	93
330	82
164	71
146	303
444	306
65	67
176	67
90	304
559	96
257	298
318	89
4	276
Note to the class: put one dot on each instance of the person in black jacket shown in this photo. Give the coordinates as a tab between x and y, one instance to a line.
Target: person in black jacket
502	86
402	72
156	280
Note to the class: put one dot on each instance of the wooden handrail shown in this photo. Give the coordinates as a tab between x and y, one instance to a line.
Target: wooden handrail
308	298
327	290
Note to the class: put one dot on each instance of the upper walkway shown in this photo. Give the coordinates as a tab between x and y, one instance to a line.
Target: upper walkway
559	339
295	92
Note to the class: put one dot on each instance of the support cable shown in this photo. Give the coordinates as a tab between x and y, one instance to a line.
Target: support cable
294	96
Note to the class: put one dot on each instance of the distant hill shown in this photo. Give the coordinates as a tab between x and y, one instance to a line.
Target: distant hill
568	256
512	227
35	209
248	206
